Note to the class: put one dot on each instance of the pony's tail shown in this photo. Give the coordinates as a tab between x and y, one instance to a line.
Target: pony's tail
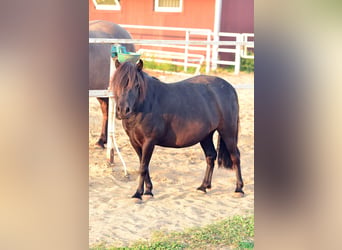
223	157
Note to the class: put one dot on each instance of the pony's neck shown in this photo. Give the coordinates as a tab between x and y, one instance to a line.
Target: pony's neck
152	92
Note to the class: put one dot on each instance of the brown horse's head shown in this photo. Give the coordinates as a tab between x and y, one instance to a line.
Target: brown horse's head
129	88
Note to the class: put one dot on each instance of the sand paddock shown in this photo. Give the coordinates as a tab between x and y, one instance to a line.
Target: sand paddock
115	219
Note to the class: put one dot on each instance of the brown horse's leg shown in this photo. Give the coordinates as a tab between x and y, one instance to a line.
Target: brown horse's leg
104	107
144	176
210	155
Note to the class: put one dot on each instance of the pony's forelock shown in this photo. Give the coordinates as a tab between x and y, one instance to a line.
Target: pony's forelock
126	76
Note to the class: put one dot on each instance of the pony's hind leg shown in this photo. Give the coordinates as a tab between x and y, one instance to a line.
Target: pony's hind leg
234	152
210	156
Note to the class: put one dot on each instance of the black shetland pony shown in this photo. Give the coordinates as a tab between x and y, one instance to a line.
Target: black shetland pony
178	115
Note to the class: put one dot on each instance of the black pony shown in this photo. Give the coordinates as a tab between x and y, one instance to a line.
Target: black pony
99	64
178	115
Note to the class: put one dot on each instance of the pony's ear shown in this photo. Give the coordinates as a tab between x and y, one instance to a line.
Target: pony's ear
140	65
117	63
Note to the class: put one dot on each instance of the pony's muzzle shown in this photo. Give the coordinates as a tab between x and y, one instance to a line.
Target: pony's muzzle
123	112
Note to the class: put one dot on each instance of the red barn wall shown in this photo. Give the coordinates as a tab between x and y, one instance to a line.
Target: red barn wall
195	14
237	16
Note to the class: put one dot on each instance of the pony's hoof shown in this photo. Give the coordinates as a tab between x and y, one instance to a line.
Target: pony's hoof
100	145
202	189
136	196
238	194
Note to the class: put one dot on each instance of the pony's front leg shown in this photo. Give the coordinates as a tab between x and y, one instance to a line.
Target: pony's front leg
144	175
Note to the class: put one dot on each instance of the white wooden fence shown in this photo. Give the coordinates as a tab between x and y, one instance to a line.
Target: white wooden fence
247	37
187	51
240	43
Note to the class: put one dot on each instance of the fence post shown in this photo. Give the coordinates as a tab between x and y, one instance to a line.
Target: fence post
207	64
186	52
111	106
237	54
215	51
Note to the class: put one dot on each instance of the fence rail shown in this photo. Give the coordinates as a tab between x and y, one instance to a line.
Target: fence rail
100	93
151	41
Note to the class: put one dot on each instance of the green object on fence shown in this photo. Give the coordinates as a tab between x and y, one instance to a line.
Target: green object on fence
121	53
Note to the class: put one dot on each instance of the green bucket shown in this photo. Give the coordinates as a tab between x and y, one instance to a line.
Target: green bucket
131	57
122	55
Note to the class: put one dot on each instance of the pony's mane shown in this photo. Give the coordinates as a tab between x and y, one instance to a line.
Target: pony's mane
126	76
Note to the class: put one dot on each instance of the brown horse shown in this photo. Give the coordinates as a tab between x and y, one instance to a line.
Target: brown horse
99	64
178	115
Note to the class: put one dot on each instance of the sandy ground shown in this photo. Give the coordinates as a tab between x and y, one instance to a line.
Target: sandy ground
115	219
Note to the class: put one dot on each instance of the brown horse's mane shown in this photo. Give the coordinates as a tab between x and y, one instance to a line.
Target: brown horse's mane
127	76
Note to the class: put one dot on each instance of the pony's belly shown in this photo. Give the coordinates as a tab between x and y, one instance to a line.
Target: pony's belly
178	144
184	136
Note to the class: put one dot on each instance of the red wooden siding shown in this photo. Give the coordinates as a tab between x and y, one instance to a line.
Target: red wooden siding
195	14
237	16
